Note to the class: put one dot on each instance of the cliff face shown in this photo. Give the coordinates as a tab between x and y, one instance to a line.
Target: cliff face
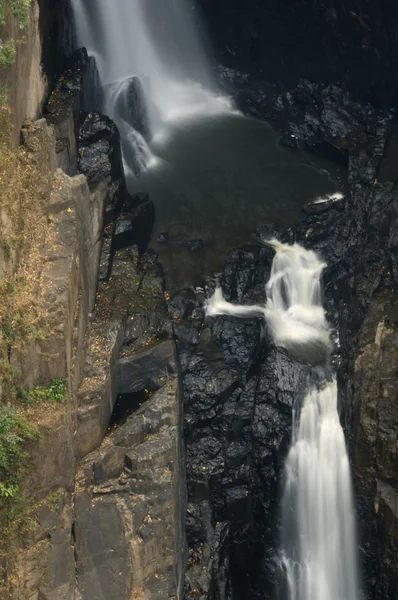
352	41
84	324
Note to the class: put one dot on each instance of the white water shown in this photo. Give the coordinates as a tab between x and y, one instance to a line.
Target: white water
318	556
157	41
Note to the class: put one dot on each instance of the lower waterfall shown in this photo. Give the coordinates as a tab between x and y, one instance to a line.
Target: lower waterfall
318	557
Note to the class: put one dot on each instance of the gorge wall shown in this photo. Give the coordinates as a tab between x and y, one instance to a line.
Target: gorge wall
351	41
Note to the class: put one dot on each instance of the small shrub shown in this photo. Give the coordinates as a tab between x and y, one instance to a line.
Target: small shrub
3	94
15	431
55	391
19	9
8	53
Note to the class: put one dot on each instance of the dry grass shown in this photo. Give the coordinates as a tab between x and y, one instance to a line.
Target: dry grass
25	182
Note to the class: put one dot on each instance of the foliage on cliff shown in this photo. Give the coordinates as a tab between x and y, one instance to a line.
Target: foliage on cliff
19	9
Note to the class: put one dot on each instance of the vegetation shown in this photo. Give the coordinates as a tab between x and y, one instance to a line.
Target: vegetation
19	9
15	431
8	50
55	391
8	53
3	94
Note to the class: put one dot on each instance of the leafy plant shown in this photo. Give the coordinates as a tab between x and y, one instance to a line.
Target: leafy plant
3	94
55	391
14	432
8	52
19	9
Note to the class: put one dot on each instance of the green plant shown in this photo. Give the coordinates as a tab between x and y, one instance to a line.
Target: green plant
3	94
8	52
15	431
55	391
19	9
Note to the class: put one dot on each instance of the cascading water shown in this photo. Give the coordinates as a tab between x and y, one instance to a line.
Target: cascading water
157	44
318	555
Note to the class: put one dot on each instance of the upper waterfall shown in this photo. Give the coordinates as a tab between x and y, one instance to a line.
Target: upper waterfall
158	42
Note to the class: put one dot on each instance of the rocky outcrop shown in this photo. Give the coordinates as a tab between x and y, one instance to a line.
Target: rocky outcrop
77	90
128	531
100	159
376	426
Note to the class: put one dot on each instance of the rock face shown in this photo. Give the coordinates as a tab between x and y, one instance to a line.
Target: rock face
111	526
129	539
238	395
77	90
354	42
376	424
100	159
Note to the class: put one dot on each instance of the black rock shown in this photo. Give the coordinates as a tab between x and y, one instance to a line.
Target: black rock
129	103
135	227
100	159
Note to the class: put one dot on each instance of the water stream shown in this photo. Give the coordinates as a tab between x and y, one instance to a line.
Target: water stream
318	557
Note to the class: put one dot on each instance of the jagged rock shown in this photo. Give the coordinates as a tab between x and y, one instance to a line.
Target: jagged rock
145	370
134	484
376	422
100	159
351	43
78	89
135	226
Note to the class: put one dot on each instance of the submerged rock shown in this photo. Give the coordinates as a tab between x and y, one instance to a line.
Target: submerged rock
128	102
194	246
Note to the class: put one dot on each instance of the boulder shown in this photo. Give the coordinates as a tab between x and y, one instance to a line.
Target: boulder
128	102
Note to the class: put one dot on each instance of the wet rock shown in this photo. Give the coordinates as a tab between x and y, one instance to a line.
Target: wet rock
129	103
100	159
135	226
78	89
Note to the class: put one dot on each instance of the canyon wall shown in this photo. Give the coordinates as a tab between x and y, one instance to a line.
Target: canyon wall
351	41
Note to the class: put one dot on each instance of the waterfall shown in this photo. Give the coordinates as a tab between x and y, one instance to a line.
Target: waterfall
318	555
155	46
